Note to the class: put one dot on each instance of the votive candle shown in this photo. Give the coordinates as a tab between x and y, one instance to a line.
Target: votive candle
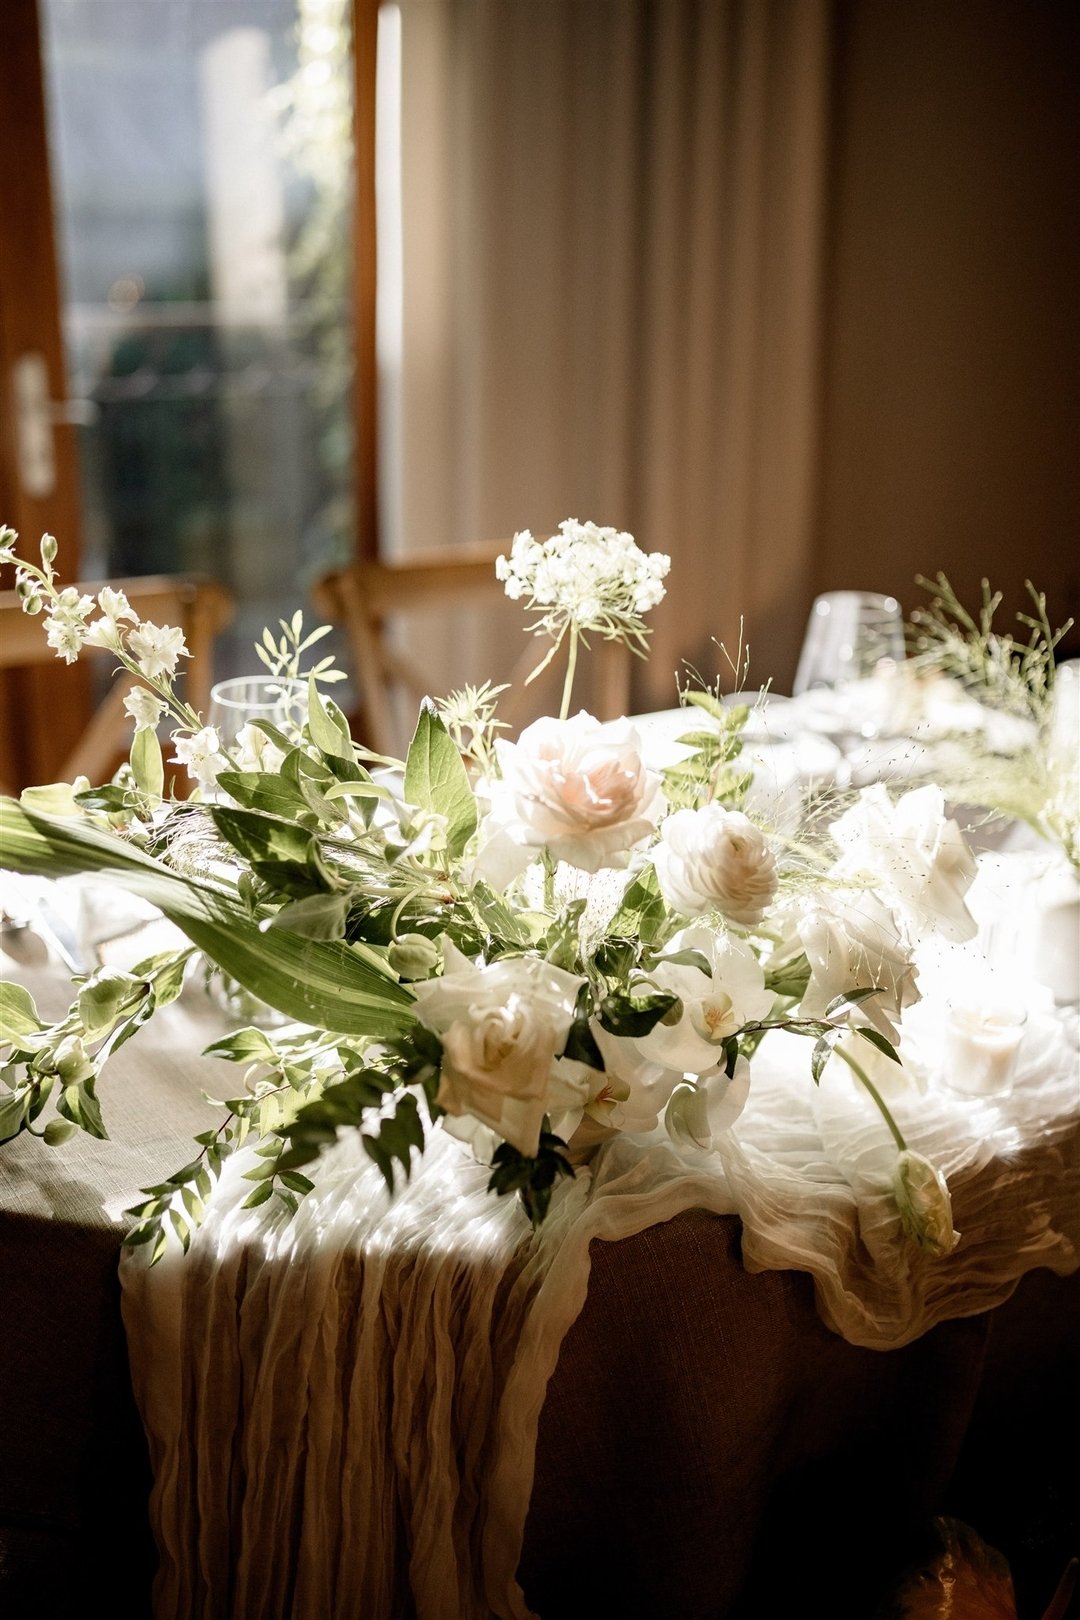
980	1048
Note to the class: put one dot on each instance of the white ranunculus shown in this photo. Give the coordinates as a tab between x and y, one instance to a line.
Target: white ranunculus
925	1206
914	856
701	1110
714	859
501	1028
712	1007
853	943
575	787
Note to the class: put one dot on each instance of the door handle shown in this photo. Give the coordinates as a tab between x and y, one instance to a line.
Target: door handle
35	416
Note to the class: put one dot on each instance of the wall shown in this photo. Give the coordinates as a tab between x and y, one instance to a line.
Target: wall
950	374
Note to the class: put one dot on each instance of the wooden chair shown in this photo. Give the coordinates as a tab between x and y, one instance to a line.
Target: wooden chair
201	608
369	598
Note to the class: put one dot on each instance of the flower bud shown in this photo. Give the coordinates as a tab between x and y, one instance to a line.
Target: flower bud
48	549
699	1111
57	1131
29	593
414	956
923	1201
71	1063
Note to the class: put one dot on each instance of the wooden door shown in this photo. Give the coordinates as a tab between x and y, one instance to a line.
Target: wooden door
45	316
45	709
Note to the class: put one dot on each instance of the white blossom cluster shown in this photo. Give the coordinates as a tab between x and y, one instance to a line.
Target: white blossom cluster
584	577
152	648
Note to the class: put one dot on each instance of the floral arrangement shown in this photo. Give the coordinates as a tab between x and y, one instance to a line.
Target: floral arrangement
534	944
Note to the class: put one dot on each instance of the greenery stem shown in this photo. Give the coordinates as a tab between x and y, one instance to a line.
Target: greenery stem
861	1074
549	880
571	666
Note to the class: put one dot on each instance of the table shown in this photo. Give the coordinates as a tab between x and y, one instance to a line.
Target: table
704	1439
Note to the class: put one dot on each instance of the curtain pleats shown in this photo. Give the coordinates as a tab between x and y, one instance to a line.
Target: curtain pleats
612	247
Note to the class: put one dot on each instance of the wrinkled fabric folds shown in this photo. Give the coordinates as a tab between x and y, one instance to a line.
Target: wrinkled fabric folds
342	1408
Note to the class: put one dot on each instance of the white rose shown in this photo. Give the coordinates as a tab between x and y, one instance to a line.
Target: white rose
701	1110
922	1198
715	860
913	855
501	1028
853	946
712	1007
578	789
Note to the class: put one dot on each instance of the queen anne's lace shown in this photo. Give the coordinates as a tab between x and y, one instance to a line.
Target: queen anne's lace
584	578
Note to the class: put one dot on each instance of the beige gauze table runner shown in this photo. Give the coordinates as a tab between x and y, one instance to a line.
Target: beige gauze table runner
342	1408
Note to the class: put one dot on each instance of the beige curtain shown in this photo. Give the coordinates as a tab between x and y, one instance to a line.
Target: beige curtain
612	241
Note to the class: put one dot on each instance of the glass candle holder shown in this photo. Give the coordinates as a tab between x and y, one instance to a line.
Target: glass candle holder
981	1046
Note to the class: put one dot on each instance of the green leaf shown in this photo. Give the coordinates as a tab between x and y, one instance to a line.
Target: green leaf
316	916
642	914
348	989
687	958
615	958
296	1182
14	1107
821	1054
245	1046
581	1042
18	1015
705	700
146	762
258	790
497	917
634	1015
260	1195
80	1105
101	998
436	778
169	977
260	837
851	998
327	726
365	788
877	1039
54	798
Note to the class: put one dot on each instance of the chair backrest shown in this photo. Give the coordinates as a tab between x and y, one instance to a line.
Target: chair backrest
201	608
369	598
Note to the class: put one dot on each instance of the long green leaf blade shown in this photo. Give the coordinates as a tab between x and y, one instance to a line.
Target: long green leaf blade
348	989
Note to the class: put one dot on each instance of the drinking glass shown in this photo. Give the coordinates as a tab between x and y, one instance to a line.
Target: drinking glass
236	703
847	679
851	636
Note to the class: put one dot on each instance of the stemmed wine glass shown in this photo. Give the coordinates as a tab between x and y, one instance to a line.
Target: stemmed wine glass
851	638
